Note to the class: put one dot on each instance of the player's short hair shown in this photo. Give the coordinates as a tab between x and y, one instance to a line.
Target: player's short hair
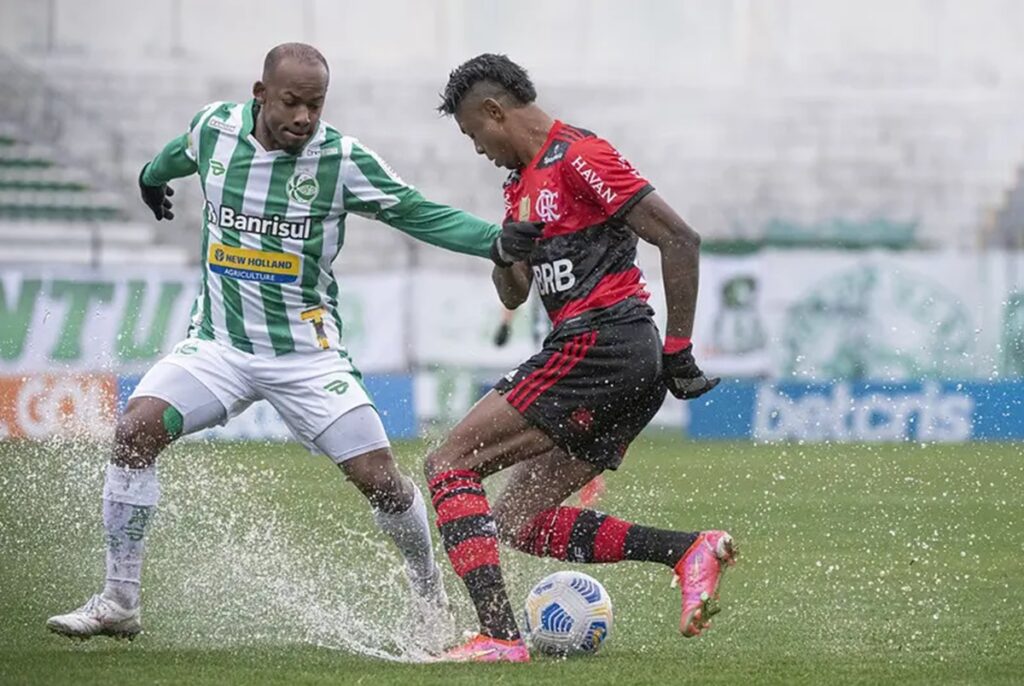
497	72
298	51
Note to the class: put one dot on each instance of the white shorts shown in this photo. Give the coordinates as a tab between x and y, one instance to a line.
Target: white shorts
310	390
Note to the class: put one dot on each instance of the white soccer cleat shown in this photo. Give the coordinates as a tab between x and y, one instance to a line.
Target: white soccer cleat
98	617
433	623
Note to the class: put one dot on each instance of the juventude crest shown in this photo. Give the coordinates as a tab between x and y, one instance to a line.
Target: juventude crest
302	188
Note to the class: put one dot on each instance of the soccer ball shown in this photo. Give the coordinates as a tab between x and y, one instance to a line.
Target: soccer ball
568	613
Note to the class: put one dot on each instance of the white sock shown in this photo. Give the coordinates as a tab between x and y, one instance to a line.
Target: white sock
129	501
411	533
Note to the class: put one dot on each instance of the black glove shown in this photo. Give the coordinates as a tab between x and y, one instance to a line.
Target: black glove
502	334
156	198
515	242
683	377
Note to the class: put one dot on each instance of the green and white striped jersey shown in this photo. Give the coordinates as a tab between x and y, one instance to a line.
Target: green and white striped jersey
274	223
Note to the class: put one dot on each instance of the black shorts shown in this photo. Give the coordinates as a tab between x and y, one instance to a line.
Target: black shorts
594	385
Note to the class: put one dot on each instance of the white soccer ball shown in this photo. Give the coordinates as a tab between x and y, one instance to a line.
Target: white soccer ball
568	613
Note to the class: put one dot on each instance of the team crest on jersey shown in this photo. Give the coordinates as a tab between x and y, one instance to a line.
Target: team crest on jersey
524	209
302	187
547	205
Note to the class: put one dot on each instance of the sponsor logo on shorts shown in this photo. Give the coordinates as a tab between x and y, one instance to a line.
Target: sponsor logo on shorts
338	387
186	348
253	265
582	418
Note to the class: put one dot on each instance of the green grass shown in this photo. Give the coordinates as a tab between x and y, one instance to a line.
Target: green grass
859	564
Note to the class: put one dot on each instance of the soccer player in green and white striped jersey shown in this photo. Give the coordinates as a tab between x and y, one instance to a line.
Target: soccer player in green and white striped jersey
278	184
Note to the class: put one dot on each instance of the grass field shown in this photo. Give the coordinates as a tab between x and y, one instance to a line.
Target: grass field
860	564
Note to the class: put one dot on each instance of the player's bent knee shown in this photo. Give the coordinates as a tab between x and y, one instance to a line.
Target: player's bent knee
147	427
438	462
377	477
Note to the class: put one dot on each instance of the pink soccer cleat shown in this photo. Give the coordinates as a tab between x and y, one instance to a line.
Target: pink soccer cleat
698	572
482	648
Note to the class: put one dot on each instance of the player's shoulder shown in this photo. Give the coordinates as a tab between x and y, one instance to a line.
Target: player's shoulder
366	161
347	144
583	141
222	115
568	142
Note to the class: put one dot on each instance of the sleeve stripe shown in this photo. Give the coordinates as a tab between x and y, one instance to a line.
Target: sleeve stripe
356	181
632	202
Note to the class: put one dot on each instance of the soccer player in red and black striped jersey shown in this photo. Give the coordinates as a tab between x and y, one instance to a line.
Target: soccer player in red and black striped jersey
575	209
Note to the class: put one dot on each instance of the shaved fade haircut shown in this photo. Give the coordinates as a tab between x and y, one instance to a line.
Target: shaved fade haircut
297	51
493	76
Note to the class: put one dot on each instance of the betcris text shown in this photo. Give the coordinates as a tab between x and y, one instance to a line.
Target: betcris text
838	413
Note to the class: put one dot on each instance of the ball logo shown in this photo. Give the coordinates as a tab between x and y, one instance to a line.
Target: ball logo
302	188
568	613
547	206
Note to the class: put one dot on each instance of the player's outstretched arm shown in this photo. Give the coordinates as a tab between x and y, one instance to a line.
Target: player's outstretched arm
173	162
371	188
441	226
654	221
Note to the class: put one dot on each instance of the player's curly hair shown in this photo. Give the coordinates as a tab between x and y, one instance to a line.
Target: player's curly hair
498	71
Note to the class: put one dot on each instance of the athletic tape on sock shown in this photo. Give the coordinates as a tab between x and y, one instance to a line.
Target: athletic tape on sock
131	486
174	423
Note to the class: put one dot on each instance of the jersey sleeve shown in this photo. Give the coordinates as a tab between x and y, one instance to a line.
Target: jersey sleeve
369	186
445	227
594	170
180	157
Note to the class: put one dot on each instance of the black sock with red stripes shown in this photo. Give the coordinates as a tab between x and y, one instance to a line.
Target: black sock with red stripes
471	540
575	535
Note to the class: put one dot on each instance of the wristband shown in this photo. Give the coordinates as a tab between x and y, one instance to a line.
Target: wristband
498	257
674	344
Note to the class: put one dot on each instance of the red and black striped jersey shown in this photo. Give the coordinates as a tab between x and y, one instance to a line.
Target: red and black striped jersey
582	189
